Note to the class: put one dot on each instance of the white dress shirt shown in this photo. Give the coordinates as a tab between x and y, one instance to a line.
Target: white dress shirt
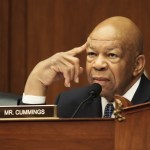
30	99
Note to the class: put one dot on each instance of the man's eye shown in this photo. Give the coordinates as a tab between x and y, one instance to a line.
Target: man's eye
112	55
91	54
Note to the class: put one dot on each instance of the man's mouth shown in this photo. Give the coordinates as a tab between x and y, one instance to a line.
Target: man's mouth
100	80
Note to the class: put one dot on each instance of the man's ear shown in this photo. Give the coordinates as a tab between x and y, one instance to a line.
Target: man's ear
139	65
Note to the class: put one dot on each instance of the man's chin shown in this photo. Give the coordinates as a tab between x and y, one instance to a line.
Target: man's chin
108	96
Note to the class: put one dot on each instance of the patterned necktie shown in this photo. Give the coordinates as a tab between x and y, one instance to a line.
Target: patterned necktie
109	109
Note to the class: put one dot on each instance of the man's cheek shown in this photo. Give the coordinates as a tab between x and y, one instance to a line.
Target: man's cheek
87	71
89	78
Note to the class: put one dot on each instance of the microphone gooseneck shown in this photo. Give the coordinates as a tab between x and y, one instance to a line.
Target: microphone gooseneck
93	92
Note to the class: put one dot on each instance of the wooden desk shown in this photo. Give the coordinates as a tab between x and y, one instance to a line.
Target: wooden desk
80	134
60	134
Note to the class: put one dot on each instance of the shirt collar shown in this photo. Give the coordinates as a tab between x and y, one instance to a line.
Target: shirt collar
130	93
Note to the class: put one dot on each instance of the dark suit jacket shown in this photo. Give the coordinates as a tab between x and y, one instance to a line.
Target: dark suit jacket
67	102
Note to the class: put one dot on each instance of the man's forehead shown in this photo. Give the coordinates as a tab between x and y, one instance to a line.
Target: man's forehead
93	43
108	32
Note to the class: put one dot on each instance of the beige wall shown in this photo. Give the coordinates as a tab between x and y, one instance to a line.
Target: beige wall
32	30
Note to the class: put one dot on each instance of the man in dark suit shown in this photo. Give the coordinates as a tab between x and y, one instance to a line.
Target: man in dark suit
67	102
115	60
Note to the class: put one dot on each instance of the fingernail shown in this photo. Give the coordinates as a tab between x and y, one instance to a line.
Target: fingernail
68	85
76	80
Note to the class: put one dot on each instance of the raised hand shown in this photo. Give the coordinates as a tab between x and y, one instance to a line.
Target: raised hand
61	65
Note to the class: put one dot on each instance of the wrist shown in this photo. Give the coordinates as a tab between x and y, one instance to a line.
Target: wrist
35	87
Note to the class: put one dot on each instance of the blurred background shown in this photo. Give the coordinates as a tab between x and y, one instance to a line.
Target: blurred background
33	30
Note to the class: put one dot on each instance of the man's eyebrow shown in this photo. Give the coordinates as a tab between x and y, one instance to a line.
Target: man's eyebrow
90	47
111	48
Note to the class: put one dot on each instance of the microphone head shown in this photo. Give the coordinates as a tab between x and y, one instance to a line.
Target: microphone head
95	89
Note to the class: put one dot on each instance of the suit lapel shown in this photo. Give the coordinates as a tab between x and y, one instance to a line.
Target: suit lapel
91	108
142	94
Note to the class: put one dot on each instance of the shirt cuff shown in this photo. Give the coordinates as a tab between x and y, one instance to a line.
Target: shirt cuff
30	99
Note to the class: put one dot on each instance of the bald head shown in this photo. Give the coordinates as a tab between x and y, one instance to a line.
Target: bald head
119	28
114	56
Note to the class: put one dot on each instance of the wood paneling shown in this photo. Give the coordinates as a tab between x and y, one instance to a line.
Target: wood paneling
4	44
18	44
58	134
32	30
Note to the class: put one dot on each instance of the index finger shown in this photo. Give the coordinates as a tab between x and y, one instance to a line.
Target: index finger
77	50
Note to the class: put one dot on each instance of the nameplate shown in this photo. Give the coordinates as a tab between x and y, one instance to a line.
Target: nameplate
27	112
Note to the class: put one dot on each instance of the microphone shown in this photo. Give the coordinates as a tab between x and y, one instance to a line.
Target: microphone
93	91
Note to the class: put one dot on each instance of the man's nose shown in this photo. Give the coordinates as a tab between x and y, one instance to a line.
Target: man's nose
100	64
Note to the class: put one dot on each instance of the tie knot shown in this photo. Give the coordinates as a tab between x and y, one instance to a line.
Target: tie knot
109	109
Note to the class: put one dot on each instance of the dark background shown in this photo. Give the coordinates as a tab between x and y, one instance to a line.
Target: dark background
33	30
